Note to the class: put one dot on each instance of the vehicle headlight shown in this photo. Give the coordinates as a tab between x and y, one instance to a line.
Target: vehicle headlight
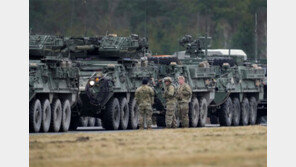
91	83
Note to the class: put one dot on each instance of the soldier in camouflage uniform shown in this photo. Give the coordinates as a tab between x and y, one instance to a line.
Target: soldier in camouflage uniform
184	94
169	96
145	98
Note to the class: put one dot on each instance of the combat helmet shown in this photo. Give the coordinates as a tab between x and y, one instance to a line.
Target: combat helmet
167	79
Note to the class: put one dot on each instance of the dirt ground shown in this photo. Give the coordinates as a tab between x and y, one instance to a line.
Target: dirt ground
205	147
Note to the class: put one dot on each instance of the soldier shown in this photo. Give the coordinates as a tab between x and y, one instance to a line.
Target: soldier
169	96
145	98
184	94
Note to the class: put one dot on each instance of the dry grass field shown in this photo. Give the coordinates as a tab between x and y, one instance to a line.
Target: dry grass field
205	147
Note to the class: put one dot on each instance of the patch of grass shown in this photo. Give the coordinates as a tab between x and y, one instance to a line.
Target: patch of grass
234	146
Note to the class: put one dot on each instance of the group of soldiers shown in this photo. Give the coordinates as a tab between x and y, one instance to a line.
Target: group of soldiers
176	99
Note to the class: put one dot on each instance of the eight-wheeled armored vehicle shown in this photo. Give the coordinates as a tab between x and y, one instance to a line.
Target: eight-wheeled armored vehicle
53	85
110	62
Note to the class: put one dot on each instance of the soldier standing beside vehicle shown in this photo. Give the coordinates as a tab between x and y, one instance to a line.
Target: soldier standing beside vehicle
184	94
169	96
145	98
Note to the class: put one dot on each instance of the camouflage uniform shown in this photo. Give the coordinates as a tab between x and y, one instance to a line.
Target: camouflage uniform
169	96
184	94
145	98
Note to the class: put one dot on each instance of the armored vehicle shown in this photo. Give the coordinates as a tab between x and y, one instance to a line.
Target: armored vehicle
53	85
106	65
239	84
199	75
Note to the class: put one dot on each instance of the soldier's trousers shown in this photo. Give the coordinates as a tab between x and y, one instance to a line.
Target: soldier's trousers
145	112
170	117
183	109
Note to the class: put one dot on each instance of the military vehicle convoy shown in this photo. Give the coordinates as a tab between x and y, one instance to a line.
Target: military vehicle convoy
101	74
53	85
225	87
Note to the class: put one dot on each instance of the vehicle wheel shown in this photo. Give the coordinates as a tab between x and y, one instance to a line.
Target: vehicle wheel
56	116
203	114
226	113
98	122
46	115
133	115
91	121
111	117
245	110
253	111
66	116
236	112
35	116
194	112
83	121
124	113
160	121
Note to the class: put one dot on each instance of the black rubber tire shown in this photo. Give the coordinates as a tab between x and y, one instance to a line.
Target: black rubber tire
160	121
35	116
66	116
245	112
91	121
133	114
253	111
98	122
46	115
203	112
56	116
111	117
83	121
226	113
124	113
236	112
194	112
